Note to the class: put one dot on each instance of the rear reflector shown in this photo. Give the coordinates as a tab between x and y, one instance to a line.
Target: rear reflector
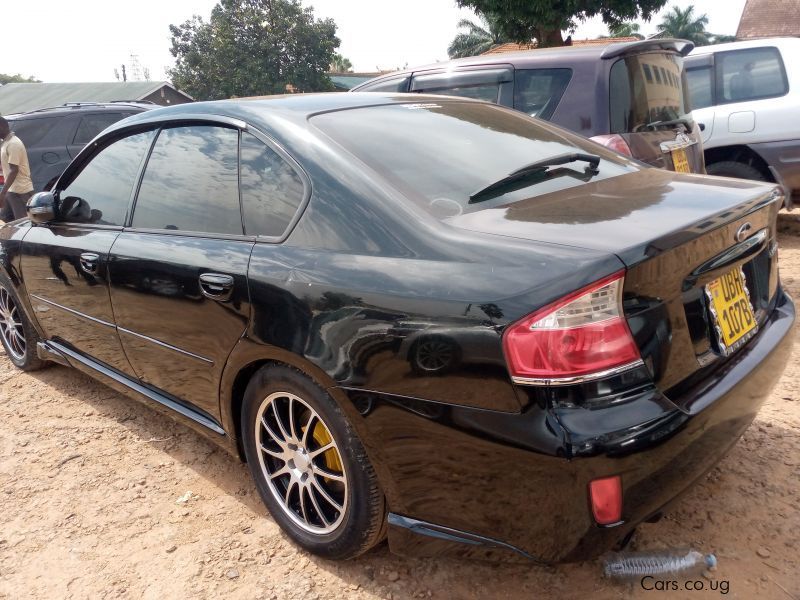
583	334
614	142
605	496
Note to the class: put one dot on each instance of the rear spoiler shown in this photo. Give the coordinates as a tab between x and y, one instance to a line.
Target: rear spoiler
682	47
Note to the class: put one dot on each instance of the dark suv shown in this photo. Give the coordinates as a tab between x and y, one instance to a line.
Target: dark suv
54	136
630	96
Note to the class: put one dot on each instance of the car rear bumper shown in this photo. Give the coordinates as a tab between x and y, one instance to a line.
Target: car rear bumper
480	493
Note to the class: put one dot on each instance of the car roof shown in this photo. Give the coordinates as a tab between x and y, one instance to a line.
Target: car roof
557	55
271	110
71	107
788	43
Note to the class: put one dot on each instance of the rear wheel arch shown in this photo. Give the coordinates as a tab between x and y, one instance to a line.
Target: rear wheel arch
741	154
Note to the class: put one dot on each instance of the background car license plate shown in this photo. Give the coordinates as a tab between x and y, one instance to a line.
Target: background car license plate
730	304
680	161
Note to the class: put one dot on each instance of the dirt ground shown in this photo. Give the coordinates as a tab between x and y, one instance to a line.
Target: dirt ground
90	483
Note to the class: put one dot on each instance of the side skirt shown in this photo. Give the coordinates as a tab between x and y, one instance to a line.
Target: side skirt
200	421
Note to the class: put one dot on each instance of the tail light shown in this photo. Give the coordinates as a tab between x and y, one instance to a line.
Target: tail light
605	496
2	179
582	336
614	142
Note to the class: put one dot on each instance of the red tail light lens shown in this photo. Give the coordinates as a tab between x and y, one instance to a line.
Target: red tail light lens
582	334
605	496
614	142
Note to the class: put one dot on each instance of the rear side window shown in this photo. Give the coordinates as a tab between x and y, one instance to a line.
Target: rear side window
33	132
396	84
636	101
701	86
91	125
190	182
101	191
750	74
480	84
537	92
271	189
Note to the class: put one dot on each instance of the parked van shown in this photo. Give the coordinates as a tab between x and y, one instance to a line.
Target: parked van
628	96
746	98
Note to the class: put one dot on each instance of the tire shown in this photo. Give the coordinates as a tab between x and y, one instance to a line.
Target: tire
731	168
17	334
294	463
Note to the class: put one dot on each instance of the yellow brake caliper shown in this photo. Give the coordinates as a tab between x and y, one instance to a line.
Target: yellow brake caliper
323	437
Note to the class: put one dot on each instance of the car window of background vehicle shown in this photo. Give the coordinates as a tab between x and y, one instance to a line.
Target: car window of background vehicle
101	191
639	96
271	189
91	125
537	92
701	85
750	74
191	182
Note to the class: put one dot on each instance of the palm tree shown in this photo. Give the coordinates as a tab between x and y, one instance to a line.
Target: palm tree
340	64
682	24
624	29
478	38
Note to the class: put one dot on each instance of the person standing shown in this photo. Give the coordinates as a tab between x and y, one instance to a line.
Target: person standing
18	187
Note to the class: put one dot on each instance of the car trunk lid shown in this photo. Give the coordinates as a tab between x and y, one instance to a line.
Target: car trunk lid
676	234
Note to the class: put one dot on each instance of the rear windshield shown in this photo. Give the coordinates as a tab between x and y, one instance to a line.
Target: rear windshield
645	89
440	153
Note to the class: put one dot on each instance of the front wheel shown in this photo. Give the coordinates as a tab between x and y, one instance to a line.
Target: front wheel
309	467
16	332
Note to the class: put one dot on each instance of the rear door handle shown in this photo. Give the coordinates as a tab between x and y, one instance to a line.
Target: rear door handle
89	262
216	285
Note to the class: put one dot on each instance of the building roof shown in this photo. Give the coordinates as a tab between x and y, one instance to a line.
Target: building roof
769	18
24	97
512	47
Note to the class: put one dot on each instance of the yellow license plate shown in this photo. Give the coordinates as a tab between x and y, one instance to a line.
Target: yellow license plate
733	313
680	162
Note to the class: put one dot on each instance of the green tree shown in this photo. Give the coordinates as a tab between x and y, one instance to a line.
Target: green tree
478	37
252	48
340	64
685	25
721	38
4	79
544	20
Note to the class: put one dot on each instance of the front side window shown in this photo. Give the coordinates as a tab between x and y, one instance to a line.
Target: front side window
271	189
102	189
537	92
701	86
750	74
190	182
91	125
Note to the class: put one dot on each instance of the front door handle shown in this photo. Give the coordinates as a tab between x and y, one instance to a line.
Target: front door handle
216	286
90	262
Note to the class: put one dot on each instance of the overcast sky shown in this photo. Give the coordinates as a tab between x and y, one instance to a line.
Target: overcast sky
85	40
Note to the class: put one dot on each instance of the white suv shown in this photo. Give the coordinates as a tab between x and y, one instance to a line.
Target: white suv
746	98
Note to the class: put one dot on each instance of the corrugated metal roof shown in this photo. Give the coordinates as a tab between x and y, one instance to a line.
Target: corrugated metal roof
769	18
512	47
22	97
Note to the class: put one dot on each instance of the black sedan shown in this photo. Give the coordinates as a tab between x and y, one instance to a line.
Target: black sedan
434	318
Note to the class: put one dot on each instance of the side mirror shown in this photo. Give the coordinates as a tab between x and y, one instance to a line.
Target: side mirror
42	207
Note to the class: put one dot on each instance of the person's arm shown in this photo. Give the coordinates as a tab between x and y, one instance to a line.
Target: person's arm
12	175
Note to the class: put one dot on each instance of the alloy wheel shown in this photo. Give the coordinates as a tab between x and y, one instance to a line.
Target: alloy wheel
11	325
301	463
